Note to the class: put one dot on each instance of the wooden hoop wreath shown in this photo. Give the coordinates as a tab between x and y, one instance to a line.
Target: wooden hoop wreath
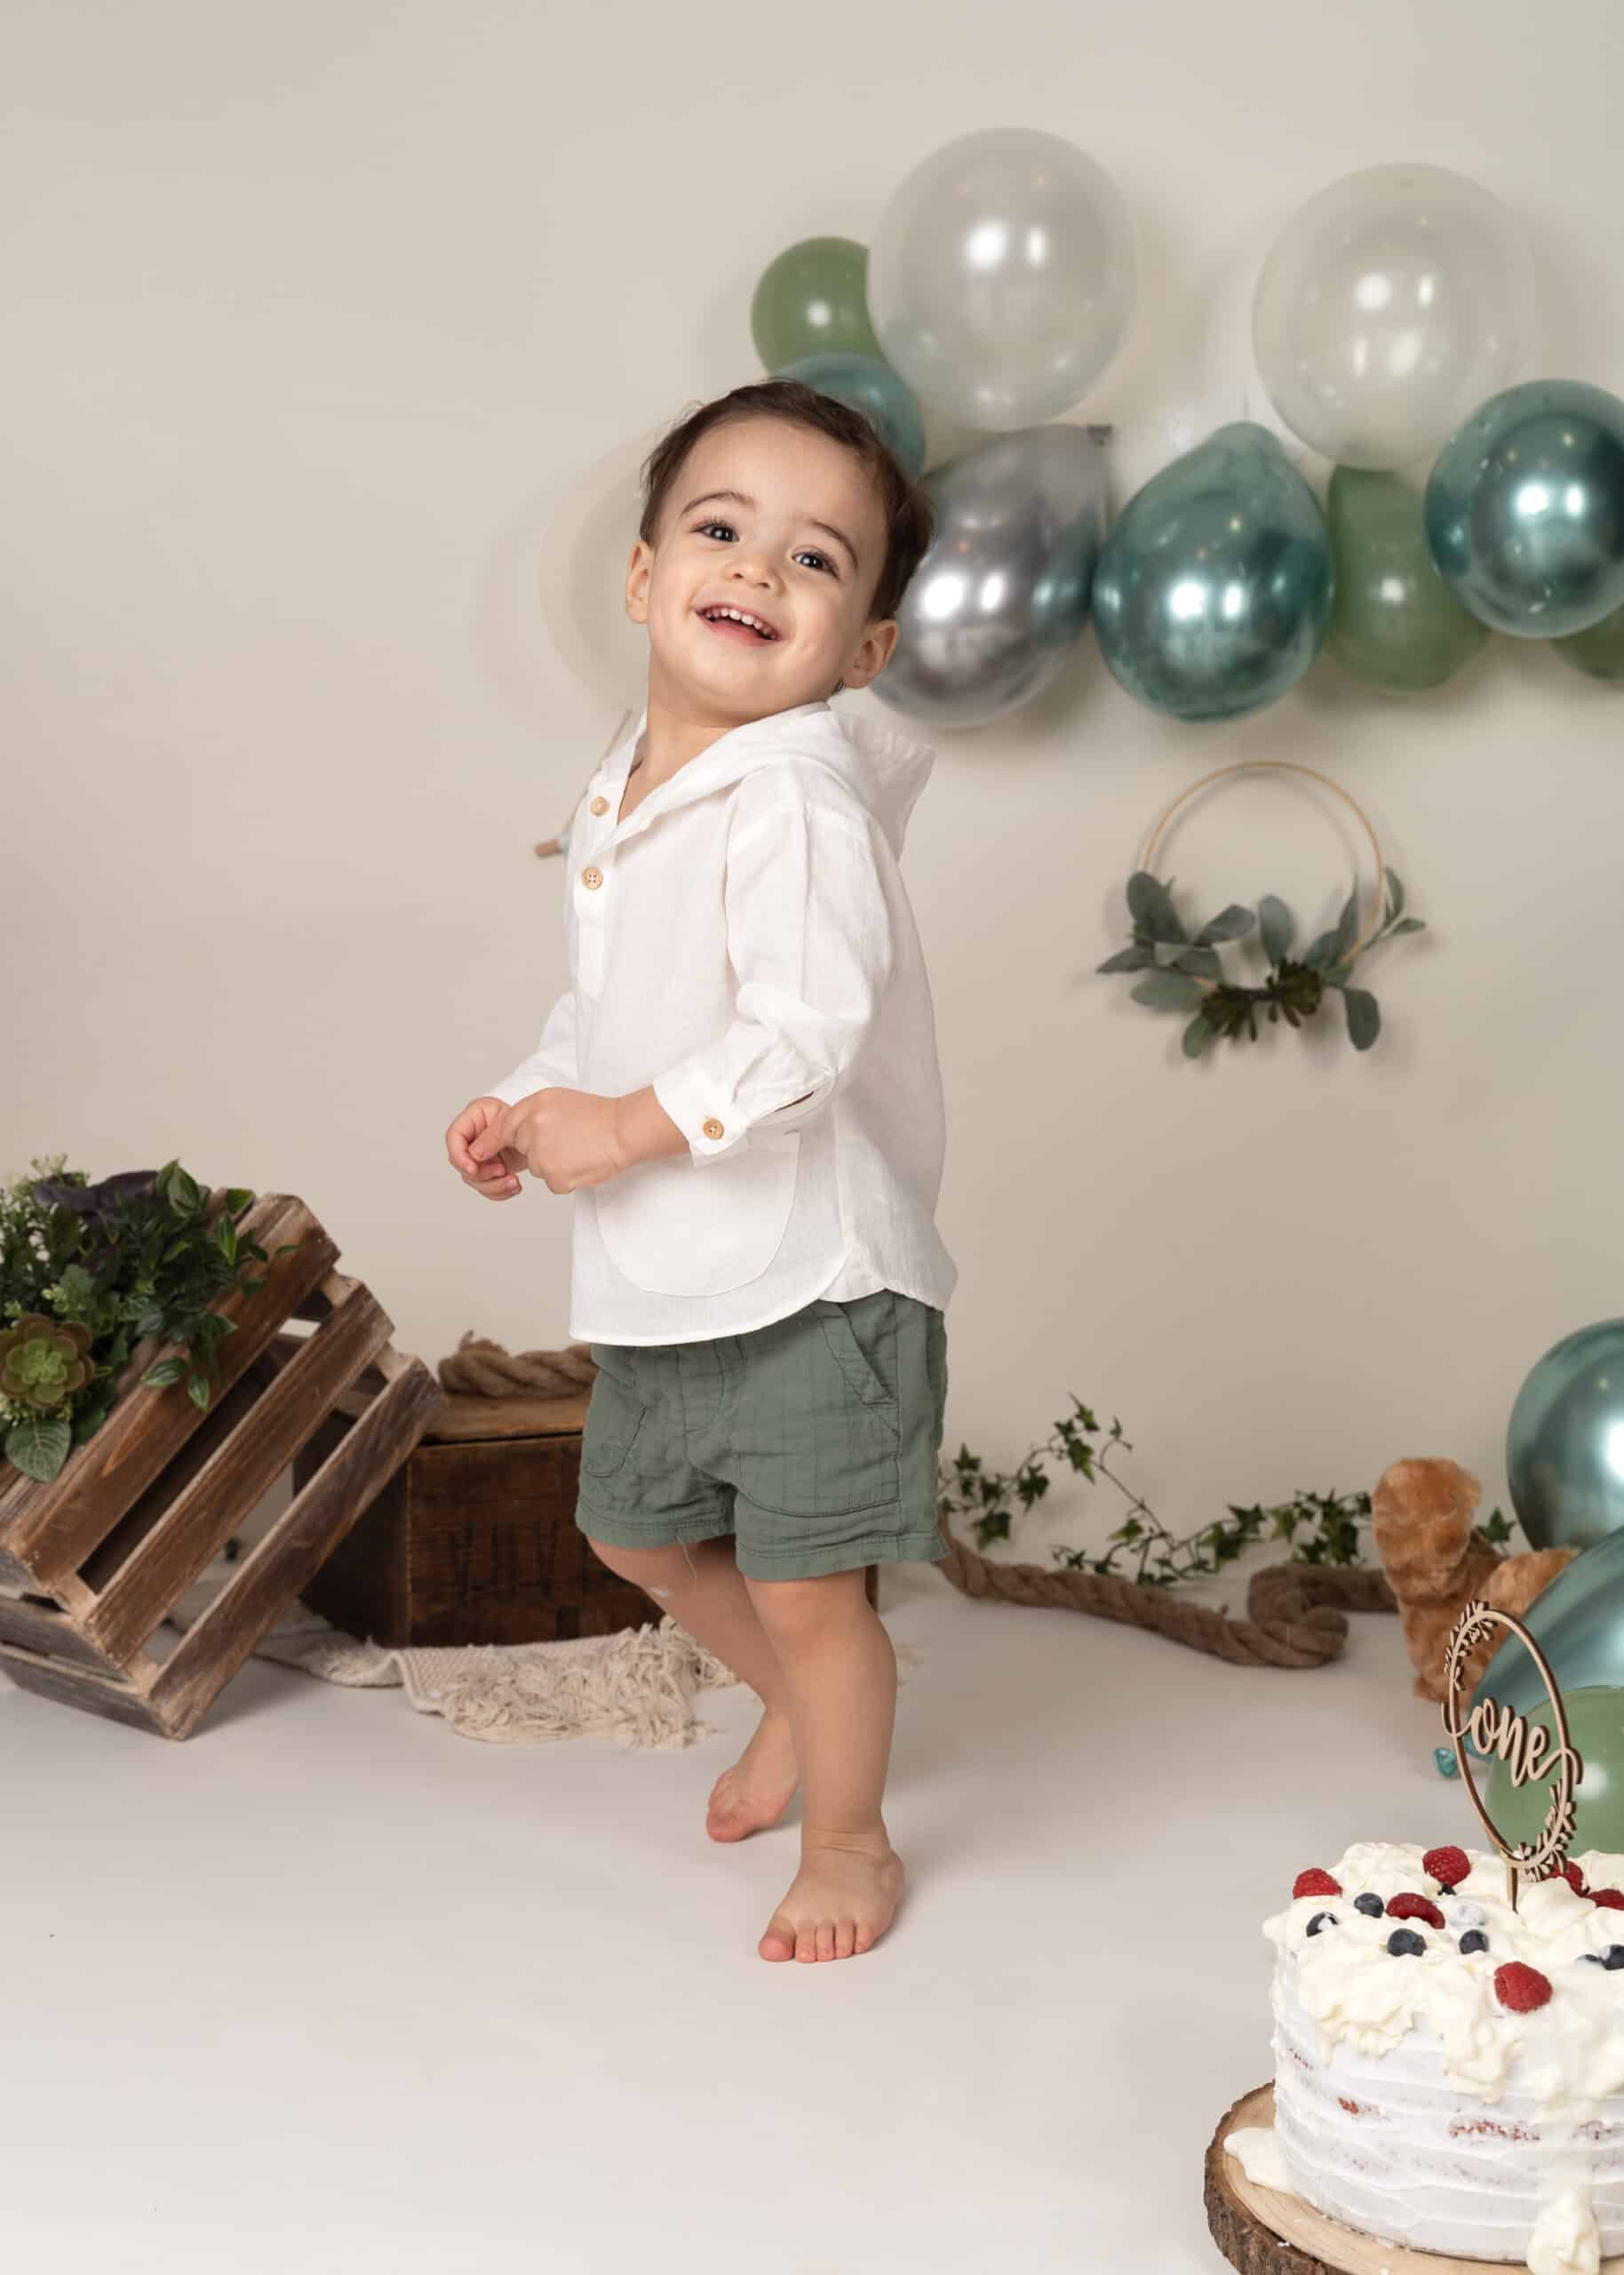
1278	766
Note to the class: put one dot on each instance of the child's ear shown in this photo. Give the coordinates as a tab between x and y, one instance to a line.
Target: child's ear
874	654
637	581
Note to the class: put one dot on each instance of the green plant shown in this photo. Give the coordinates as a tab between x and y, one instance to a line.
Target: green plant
1319	1528
89	1271
1182	974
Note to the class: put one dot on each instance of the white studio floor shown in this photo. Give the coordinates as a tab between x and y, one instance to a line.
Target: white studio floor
327	1988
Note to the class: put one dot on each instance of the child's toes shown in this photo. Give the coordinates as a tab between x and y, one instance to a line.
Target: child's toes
806	1943
825	1939
845	1938
779	1941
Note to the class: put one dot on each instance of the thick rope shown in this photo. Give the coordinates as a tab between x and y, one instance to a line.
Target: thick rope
482	1369
1298	1613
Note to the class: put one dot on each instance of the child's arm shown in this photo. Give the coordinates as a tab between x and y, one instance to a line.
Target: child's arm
809	937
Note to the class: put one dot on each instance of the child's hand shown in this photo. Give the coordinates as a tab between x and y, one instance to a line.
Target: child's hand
566	1137
496	1178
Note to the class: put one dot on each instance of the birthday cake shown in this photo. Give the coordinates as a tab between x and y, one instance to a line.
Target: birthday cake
1449	2072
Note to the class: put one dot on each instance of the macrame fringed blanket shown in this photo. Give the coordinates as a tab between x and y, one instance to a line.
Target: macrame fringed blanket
1297	1613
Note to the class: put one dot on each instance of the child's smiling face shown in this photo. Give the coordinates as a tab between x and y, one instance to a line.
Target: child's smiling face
799	545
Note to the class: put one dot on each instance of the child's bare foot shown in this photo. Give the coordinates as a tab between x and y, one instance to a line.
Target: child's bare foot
759	1788
842	1900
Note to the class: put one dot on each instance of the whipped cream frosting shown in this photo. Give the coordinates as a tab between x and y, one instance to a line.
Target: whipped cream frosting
1413	2103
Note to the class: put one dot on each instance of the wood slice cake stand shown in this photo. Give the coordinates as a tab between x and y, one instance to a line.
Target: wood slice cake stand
1262	2233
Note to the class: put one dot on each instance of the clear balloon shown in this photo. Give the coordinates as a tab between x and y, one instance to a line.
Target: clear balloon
997	606
1394	624
865	384
1213	590
1525	509
813	301
1565	1444
1390	306
1003	276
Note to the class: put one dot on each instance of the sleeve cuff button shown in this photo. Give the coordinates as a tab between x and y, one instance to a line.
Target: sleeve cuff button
712	1128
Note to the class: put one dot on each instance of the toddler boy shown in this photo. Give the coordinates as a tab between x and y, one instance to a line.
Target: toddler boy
739	1087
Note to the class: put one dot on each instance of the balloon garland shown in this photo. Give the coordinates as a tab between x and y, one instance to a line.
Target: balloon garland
1186	974
1387	322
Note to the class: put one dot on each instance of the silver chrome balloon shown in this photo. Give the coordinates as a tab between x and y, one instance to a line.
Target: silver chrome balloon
999	605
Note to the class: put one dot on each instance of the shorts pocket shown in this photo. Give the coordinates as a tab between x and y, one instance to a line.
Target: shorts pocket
613	1417
864	1348
815	1423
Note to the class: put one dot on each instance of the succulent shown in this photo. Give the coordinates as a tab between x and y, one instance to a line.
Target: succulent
42	1361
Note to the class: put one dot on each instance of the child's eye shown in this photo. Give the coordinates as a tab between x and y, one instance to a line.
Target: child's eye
705	528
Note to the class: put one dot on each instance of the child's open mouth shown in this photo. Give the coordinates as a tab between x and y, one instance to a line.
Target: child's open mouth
754	629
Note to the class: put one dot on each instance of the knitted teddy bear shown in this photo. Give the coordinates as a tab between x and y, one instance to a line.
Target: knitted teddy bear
1436	1561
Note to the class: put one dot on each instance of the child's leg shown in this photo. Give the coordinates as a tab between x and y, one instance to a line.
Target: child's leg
701	1587
839	1677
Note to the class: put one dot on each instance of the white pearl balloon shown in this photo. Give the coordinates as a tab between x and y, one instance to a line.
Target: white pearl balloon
1389	308
1002	276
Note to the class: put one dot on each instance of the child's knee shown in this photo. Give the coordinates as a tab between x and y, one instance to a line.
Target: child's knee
797	1608
656	1571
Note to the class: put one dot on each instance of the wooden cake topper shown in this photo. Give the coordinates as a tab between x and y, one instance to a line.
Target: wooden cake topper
1525	1749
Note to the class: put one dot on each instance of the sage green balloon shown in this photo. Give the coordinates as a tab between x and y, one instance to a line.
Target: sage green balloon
813	301
1596	1731
1394	624
1597	651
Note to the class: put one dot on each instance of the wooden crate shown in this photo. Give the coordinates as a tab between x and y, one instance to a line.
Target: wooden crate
474	1539
91	1563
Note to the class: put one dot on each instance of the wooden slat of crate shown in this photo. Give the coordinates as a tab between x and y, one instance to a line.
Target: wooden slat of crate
225	1491
115	1700
52	1529
50	1633
273	1572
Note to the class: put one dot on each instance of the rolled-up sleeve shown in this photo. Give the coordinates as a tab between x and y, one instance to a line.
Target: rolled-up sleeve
551	1065
809	939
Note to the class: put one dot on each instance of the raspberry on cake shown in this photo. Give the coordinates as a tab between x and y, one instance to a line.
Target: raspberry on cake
1314	1882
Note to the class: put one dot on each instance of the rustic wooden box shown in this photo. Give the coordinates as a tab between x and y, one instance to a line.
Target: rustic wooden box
91	1563
474	1540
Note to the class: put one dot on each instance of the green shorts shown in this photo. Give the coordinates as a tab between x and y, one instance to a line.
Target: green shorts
812	1443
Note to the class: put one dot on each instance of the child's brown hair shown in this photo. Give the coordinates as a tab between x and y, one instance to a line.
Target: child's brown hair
910	521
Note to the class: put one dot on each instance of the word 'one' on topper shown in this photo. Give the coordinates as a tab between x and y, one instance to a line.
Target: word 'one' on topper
1530	1754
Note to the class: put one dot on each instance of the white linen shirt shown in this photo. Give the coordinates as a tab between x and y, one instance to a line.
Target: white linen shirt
743	941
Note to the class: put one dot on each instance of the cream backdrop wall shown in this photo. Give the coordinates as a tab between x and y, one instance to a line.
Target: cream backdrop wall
327	333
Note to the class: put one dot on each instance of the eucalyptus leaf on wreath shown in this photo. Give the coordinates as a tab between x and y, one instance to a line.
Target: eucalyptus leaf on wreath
1186	974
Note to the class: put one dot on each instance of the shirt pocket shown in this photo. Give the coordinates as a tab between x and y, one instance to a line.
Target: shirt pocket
677	1228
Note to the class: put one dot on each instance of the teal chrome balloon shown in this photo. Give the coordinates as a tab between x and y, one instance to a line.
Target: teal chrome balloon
1578	1621
875	390
1565	1448
1213	590
1525	509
